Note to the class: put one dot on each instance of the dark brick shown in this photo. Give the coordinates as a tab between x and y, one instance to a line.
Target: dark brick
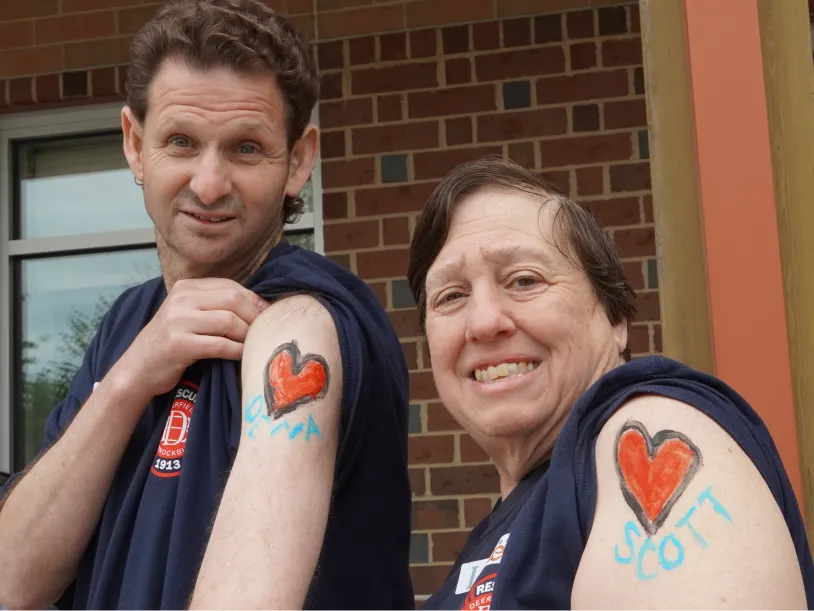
590	181
586	118
351	235
644	144
394	168
331	55
393	199
633	273
395	230
419	548
423	44
351	173
439	419
580	24
332	144
522	153
627	52
414	424
647	306
435	164
362	50
636	242
75	84
417	481
459	131
548	28
103	82
389	107
625	113
431	449
330	86
458	70
486	36
20	91
393	47
583	55
612	20
516	95
401	294
619	212
47	88
630	177
455	39
516	32
335	205
635	19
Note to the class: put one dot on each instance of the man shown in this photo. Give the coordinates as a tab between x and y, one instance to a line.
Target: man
236	436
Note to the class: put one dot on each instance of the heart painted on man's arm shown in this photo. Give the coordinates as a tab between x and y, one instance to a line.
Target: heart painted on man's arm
291	379
654	472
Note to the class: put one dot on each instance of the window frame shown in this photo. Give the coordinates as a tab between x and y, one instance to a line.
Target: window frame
74	121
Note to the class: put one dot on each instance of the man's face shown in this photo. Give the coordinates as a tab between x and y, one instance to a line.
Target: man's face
213	156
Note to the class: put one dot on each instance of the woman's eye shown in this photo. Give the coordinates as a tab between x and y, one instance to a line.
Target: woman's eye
451	296
525	282
247	149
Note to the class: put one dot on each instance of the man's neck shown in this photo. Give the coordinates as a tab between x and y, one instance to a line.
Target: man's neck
239	270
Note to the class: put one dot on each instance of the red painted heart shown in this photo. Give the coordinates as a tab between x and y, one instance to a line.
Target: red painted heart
654	472
292	380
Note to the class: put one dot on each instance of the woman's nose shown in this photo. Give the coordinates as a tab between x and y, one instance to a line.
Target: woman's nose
488	317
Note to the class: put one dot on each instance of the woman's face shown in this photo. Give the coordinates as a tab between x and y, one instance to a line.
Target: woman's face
515	331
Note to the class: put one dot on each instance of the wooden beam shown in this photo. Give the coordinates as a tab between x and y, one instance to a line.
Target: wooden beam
789	83
685	315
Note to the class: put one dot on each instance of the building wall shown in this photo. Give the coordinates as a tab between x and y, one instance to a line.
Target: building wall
409	90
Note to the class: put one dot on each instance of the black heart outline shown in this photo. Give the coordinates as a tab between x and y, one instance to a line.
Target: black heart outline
653	444
298	361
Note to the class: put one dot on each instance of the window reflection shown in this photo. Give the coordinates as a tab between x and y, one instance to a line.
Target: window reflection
63	300
77	186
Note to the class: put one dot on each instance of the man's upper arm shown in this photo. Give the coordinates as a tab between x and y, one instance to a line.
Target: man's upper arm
270	525
683	519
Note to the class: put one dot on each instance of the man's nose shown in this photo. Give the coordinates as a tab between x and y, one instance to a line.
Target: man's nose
488	317
211	181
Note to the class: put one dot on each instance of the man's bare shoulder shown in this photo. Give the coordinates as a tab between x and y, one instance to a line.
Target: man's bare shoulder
683	518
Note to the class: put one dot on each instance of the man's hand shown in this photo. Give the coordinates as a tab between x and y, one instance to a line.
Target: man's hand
200	319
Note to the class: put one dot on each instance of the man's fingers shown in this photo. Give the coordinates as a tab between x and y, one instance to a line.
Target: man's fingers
219	323
210	347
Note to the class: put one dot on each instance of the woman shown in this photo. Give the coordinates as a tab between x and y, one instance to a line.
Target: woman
623	483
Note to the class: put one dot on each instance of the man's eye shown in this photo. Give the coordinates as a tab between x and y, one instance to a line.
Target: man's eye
180	141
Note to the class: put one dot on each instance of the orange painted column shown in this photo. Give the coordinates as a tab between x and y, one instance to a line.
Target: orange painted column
740	224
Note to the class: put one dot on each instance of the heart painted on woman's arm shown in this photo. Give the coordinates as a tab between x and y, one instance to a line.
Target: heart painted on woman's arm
654	472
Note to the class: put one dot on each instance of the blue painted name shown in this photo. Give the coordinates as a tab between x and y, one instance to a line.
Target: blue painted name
669	552
262	424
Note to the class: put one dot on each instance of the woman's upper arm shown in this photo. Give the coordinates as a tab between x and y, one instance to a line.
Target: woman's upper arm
683	518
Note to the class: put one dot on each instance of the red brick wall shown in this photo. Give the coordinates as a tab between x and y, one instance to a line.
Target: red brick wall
410	88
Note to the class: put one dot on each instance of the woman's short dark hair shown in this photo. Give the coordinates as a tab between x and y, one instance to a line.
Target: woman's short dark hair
578	235
241	35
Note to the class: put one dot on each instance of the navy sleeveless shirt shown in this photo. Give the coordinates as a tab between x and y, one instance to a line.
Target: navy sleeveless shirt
525	554
150	539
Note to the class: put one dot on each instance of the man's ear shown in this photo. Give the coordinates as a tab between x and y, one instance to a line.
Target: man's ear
133	142
303	158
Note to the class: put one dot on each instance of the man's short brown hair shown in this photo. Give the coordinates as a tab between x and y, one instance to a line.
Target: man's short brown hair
577	234
241	35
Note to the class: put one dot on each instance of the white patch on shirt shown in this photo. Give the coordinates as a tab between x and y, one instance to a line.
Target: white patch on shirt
470	571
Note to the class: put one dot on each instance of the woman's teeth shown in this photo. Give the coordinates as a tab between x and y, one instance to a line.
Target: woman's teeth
504	370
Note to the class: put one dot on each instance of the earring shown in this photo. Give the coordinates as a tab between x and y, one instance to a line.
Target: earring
138	182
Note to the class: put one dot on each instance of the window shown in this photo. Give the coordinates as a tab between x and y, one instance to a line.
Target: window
74	236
